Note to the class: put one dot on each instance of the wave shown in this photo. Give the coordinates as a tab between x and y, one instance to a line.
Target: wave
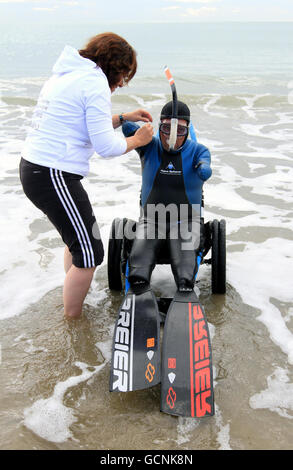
227	92
233	101
217	101
18	101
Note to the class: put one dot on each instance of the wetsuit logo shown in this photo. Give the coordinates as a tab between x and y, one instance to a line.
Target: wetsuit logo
170	169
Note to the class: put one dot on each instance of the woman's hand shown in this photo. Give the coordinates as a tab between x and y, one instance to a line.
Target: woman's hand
138	115
142	137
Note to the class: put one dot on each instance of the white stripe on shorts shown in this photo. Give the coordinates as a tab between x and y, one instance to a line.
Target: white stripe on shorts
89	249
74	216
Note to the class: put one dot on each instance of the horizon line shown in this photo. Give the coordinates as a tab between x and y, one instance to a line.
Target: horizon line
155	22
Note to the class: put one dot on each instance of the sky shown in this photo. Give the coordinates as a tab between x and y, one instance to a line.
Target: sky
140	11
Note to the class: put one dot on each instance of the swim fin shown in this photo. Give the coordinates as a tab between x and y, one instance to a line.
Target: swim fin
187	374
136	344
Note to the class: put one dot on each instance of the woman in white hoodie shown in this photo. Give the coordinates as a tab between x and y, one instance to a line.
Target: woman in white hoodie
72	120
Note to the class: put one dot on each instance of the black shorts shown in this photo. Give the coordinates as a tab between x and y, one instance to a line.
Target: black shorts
61	196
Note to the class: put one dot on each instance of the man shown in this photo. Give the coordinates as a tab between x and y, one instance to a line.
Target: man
171	197
172	179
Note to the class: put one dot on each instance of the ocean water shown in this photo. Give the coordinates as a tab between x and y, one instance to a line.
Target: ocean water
237	79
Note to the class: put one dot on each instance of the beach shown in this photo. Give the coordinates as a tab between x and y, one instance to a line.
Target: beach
54	374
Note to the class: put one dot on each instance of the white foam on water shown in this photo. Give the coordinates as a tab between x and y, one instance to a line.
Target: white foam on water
278	153
223	436
17	87
280	185
230	200
106	348
212	144
289	315
185	427
258	130
255	166
49	418
96	294
20	257
263	271
31	349
148	104
278	397
250	101
211	104
22	280
28	270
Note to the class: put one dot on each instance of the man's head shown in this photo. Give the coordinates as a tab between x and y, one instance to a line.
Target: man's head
183	123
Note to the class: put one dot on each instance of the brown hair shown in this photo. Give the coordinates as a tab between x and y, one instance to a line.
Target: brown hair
114	55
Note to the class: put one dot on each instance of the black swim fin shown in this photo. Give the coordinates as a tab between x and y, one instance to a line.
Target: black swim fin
136	344
187	374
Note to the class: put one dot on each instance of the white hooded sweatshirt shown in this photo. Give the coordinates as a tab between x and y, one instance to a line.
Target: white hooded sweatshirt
73	117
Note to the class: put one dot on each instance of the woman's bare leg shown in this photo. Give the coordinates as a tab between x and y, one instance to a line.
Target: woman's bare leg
67	259
76	285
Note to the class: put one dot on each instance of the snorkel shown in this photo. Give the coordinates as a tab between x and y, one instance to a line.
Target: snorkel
174	118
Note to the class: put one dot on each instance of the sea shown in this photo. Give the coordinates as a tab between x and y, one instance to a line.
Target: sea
237	79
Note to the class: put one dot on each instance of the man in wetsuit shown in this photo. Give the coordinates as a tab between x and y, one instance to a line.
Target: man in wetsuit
172	180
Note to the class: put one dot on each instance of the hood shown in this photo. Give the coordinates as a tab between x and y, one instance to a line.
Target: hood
70	61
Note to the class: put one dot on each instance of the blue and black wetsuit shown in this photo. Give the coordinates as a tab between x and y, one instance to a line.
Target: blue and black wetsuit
172	180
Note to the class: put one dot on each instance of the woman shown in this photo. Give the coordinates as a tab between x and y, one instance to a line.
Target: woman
71	121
